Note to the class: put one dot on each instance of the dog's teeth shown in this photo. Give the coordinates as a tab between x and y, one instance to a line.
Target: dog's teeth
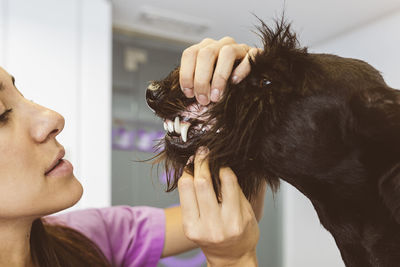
165	126
170	125
184	131
218	130
177	125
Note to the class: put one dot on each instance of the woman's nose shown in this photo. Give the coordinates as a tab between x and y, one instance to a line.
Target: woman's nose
46	124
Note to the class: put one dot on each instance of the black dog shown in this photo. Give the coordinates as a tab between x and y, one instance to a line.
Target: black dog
330	126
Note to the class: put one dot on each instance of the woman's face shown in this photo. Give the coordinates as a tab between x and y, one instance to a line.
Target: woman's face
33	182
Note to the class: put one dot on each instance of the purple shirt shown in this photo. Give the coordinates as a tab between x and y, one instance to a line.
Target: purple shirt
128	236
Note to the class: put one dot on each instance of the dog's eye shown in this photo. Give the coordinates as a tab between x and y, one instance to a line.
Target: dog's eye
265	83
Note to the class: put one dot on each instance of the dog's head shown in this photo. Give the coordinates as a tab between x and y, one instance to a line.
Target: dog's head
295	110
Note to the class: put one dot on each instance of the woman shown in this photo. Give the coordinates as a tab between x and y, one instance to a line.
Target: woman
36	181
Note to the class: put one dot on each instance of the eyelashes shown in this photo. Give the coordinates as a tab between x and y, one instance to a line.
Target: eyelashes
5	116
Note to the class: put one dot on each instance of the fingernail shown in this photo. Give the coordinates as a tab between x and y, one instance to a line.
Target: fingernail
190	160
203	99
215	95
188	92
235	79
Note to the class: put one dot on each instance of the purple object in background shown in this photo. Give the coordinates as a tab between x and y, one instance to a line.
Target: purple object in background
143	140
196	261
122	138
146	140
163	178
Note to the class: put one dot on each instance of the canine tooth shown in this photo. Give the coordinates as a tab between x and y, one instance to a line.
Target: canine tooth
184	131
170	125
177	125
218	130
165	126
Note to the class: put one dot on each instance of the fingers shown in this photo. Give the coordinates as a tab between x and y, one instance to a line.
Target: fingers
221	230
257	202
230	189
227	56
231	193
188	65
204	71
235	205
206	199
187	197
243	69
197	76
205	64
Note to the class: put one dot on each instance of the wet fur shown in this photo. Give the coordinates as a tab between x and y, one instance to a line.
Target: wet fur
330	126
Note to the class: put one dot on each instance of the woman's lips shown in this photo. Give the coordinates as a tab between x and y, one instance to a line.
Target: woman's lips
63	168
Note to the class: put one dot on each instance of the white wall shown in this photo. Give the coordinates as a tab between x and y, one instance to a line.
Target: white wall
96	97
376	43
306	243
60	54
2	29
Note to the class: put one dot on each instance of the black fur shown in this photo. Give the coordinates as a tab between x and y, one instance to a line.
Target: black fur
328	125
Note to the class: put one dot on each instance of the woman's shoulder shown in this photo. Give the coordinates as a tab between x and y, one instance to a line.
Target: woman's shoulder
120	231
111	221
106	215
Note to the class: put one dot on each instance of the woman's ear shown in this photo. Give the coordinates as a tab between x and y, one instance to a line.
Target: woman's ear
389	190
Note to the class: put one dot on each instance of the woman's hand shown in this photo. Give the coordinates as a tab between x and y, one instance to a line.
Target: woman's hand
257	202
207	66
227	232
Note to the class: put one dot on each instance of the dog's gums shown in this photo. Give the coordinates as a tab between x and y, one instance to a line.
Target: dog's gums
328	125
193	118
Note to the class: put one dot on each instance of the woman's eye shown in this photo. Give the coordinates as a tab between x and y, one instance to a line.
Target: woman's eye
5	116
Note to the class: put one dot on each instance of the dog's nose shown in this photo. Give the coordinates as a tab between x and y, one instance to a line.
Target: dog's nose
152	91
152	95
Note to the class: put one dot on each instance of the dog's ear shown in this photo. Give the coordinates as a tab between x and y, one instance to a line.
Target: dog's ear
377	111
389	190
382	96
378	124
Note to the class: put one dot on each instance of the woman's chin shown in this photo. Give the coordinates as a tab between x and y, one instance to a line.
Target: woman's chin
74	194
67	197
47	198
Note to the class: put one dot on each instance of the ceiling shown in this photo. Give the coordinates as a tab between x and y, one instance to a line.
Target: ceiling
190	21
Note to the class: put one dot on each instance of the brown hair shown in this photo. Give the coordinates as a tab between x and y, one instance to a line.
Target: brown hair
61	246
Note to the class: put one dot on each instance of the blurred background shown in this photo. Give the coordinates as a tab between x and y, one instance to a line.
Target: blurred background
91	60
